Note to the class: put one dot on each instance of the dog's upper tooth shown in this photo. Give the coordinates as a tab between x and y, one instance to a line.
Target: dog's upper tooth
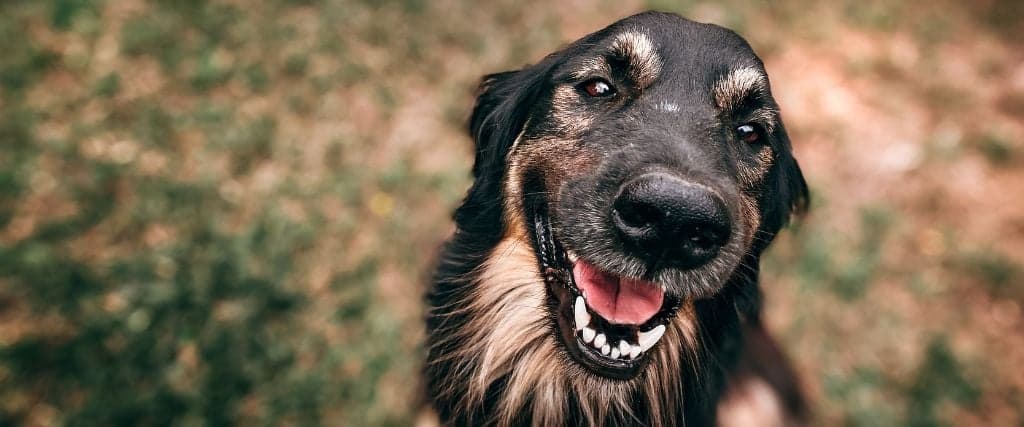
572	256
588	335
600	340
650	338
580	310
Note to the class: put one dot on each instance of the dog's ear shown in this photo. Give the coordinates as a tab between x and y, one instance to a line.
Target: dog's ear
501	110
503	106
786	191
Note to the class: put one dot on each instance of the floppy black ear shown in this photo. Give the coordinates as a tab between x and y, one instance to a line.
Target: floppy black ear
499	115
502	109
786	191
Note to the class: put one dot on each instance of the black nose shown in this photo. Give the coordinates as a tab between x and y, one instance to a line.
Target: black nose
671	222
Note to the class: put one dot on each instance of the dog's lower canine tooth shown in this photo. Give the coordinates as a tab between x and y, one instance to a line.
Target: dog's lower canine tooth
650	338
581	315
624	347
600	340
588	335
634	351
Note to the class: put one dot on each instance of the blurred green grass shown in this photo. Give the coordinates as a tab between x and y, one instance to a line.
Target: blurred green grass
221	212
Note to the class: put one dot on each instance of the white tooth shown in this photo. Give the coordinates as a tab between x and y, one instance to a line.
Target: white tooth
615	353
580	310
624	347
588	335
572	256
634	351
599	341
605	349
650	338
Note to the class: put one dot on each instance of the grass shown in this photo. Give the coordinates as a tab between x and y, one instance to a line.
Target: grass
216	214
940	378
996	149
838	265
998	273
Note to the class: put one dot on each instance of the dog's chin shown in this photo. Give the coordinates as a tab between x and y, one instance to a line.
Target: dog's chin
596	325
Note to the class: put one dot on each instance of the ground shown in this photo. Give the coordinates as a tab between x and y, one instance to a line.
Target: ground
226	211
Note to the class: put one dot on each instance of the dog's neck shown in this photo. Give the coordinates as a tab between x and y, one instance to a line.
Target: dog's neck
492	356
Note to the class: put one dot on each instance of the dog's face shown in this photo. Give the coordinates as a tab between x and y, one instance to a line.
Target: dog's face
644	166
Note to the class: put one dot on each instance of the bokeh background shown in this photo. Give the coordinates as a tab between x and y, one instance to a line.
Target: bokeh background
225	212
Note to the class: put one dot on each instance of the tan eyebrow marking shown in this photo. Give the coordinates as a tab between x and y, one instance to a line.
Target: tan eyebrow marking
641	55
740	83
591	67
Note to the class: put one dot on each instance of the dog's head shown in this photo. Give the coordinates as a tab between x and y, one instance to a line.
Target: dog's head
644	166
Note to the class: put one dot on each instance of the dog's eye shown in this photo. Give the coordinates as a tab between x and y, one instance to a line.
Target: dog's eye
749	133
597	87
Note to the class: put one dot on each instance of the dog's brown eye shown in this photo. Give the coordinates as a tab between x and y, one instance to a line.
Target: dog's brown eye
749	133
598	88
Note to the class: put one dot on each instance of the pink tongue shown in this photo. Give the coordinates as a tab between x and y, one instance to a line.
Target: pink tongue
618	300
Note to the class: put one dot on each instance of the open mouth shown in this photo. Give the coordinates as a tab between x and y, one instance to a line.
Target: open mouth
607	323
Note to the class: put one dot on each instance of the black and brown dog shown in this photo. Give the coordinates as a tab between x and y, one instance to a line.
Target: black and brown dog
604	270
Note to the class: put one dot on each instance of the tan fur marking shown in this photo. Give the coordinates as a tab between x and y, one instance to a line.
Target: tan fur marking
558	158
753	174
638	49
737	85
751	402
570	120
427	417
751	217
515	220
592	67
732	89
510	308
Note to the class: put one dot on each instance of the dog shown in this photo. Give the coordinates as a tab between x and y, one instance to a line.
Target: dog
604	267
